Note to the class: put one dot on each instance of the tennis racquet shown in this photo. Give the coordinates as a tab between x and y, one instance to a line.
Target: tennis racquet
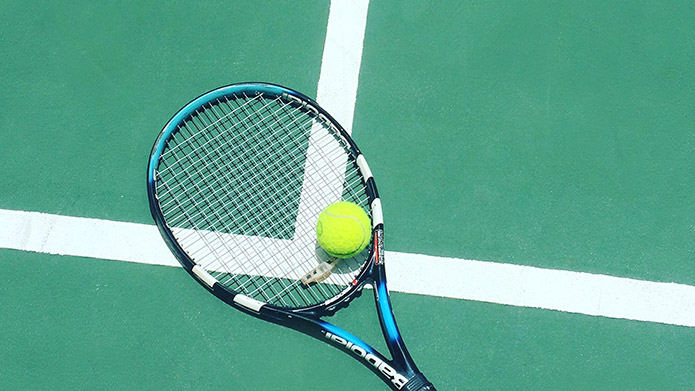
236	181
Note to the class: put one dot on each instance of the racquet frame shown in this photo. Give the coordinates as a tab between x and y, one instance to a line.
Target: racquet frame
399	372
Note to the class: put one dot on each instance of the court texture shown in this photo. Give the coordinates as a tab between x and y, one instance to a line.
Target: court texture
535	162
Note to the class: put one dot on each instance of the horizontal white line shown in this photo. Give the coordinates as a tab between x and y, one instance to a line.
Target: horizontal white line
526	286
83	237
583	293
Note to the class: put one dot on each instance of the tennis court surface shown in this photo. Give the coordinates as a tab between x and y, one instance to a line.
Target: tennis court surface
534	160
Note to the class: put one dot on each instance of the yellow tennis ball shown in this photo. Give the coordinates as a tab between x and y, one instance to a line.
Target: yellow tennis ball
343	229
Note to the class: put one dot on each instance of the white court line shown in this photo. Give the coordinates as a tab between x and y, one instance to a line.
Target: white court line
524	286
83	237
342	57
337	91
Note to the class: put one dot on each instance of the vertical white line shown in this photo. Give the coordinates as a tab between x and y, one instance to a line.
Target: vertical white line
342	57
337	91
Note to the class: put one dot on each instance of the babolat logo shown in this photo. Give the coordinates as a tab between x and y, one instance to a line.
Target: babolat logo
397	379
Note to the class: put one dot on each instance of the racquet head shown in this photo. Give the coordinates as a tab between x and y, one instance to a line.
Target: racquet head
236	181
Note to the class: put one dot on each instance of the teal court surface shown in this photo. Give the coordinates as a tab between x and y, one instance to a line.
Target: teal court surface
535	162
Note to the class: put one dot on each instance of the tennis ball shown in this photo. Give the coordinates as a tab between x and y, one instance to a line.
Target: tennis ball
343	229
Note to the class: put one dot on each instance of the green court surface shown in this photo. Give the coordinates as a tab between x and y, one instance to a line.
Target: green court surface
558	135
82	324
554	135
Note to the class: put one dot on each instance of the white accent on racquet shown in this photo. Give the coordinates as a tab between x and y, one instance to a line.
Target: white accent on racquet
524	286
377	215
248	302
364	167
204	275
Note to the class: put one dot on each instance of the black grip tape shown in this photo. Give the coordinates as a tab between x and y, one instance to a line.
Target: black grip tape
419	383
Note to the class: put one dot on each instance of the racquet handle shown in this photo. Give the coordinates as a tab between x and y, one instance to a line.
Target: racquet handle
428	387
419	383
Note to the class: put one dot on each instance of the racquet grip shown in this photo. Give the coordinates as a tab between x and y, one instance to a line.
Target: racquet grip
419	383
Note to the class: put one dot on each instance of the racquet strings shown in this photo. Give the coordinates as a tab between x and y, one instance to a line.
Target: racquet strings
240	184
